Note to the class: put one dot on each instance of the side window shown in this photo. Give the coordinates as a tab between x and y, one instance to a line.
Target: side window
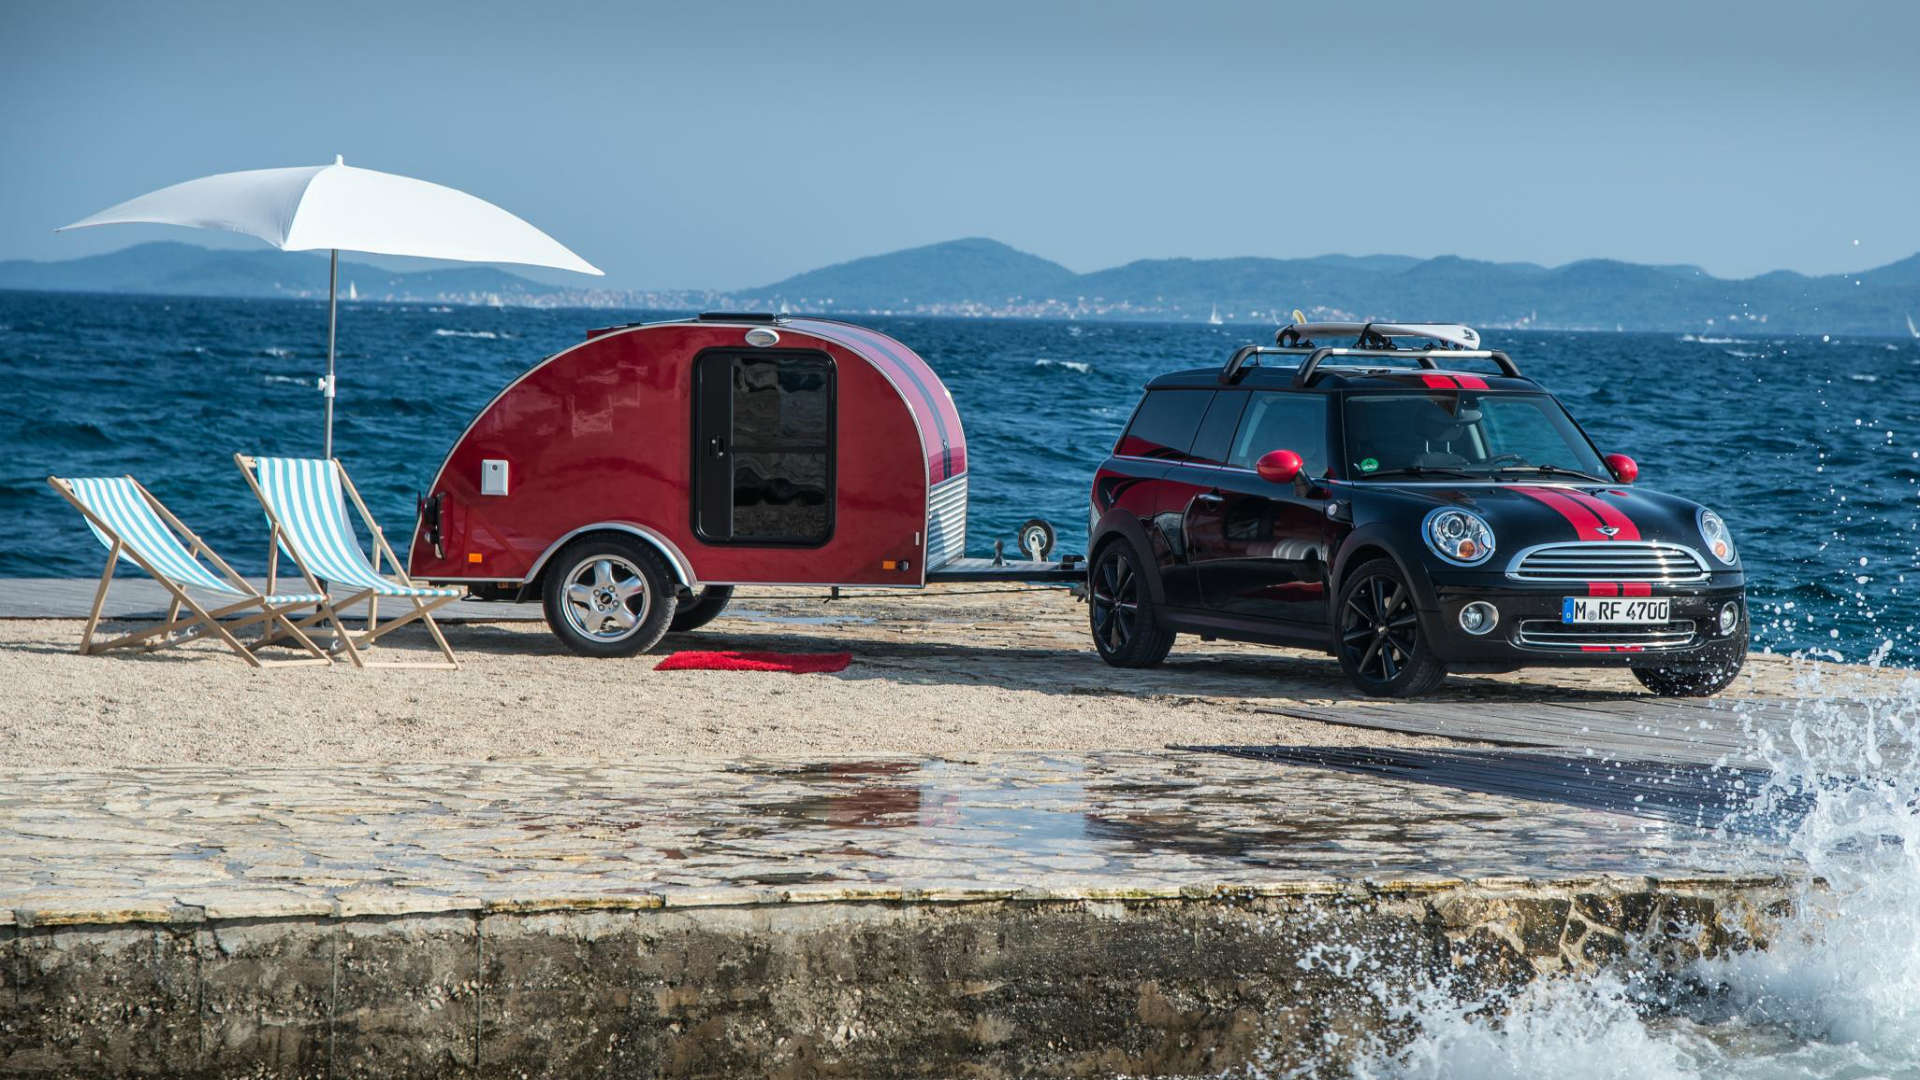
1165	424
1283	421
1216	430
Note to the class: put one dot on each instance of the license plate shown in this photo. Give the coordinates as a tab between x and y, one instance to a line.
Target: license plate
1608	609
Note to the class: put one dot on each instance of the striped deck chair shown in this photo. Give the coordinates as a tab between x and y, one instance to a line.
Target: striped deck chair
306	503
135	526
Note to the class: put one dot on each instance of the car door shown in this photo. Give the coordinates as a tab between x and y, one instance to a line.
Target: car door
1259	549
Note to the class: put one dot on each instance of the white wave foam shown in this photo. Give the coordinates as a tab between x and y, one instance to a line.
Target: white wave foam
487	335
277	352
1715	340
1080	366
1836	991
290	380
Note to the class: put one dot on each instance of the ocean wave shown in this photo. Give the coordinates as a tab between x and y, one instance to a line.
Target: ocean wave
1715	340
299	380
277	352
1080	366
486	335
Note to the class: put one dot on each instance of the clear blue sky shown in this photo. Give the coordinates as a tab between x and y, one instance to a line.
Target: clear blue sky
728	145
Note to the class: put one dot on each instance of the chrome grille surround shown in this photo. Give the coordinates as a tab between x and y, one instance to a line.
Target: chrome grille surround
1552	635
1578	562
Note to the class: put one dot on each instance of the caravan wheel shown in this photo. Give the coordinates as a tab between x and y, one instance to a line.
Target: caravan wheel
609	596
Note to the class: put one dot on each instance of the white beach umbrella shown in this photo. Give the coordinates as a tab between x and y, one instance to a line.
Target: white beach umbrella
339	208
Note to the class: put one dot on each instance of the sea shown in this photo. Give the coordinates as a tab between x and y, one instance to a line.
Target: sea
1808	446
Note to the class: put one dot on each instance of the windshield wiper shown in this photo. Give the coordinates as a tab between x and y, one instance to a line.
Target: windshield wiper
1553	470
1420	470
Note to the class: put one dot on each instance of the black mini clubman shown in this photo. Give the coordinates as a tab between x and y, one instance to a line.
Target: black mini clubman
1366	499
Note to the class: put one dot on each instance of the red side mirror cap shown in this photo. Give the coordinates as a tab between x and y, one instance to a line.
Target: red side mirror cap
1278	466
1623	467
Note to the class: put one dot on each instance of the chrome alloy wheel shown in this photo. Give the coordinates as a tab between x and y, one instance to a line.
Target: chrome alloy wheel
607	598
1379	629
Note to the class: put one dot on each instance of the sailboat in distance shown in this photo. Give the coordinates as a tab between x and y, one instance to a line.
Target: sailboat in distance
1911	329
1215	320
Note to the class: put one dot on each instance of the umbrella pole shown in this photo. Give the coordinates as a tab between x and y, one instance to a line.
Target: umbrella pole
333	318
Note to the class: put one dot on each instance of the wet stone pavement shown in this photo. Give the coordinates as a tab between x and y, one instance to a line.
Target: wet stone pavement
186	843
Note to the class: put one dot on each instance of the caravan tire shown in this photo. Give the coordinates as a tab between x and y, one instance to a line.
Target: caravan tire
700	608
609	596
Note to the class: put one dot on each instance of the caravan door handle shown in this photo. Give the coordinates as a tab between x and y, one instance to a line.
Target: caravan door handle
1209	497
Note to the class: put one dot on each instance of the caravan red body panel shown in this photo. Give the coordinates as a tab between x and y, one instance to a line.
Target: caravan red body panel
601	435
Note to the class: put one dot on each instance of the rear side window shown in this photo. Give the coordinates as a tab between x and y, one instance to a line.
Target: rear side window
1216	430
1282	421
1164	425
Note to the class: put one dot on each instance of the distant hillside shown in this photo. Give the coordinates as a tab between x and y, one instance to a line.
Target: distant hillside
1591	294
167	268
979	277
977	270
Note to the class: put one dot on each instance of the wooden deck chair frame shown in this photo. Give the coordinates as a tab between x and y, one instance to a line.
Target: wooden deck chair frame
220	623
347	641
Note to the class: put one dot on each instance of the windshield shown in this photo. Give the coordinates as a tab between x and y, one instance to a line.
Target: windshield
1463	432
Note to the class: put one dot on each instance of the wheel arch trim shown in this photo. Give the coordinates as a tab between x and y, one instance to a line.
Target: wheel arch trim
1379	537
1122	524
676	559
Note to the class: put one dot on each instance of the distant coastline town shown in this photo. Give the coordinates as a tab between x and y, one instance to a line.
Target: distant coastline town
985	279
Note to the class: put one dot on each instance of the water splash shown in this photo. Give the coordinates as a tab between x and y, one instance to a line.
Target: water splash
1836	992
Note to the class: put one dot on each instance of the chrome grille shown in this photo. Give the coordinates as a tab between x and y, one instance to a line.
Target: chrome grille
946	521
1611	560
1553	634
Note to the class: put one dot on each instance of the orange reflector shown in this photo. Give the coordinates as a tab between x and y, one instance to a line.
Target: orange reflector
474	556
890	564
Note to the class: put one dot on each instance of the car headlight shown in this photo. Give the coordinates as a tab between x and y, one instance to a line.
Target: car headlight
1718	539
1459	537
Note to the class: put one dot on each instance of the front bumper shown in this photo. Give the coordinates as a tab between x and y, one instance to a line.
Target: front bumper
1530	631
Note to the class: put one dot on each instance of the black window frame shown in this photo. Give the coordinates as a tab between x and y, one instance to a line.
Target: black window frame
832	446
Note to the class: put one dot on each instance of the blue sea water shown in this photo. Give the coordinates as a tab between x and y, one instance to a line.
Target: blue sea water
1809	447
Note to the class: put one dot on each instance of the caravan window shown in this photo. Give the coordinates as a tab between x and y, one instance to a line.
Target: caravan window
763	444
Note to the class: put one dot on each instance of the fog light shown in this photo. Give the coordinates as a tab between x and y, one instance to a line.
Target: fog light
1479	617
1729	617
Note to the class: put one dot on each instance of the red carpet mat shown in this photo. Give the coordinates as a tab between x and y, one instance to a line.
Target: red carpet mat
796	663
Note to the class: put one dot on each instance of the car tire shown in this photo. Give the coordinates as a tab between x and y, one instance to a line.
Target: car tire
1696	681
700	608
1120	612
1378	637
609	596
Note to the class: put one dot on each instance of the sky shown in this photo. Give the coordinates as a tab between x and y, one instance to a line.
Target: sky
716	145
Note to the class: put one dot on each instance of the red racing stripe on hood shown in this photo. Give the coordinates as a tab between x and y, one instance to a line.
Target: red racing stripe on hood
1586	524
1609	515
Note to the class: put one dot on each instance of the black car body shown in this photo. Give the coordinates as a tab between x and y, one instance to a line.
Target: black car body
1407	517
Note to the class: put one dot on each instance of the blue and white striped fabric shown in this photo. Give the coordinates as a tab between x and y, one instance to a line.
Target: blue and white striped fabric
118	503
304	495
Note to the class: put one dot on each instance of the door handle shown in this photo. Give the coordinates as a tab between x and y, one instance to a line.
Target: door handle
1210	497
718	446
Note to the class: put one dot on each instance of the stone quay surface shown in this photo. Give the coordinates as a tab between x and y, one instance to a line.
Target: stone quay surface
999	914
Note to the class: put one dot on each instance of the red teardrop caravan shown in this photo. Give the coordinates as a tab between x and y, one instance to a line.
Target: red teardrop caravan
738	449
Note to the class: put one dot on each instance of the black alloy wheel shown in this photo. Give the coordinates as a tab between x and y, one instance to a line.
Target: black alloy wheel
1381	648
1120	610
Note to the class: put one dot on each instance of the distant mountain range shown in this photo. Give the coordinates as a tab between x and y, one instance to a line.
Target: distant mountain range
978	277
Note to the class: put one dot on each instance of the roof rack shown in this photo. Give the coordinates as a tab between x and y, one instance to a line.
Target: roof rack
1371	340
